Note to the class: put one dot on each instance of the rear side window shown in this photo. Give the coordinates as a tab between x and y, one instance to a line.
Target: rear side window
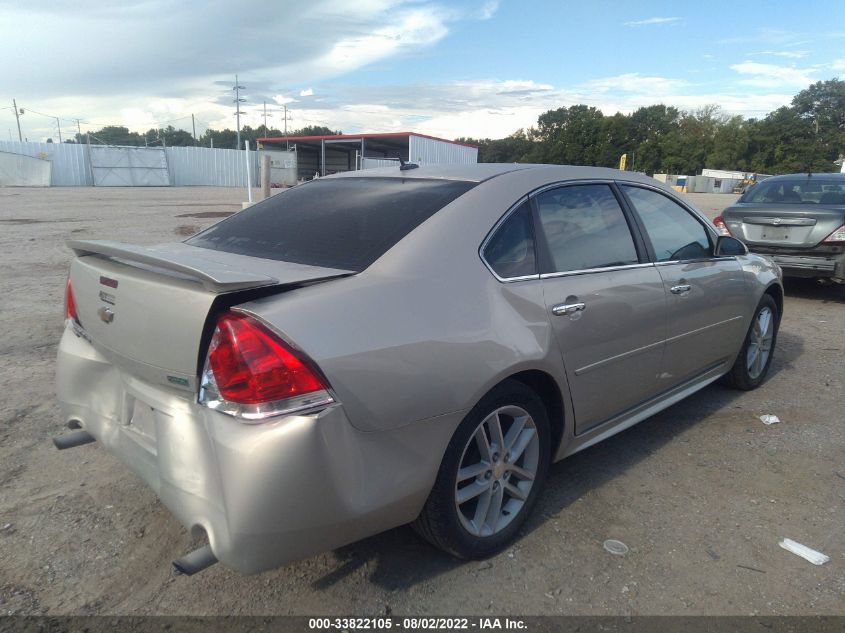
345	223
585	228
674	233
510	252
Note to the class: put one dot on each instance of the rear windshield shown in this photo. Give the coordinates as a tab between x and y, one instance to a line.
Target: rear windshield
797	191
345	223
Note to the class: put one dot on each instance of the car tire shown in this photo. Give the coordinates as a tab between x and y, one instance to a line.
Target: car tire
468	529
749	370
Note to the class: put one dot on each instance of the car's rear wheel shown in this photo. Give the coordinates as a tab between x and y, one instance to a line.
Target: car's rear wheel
753	362
491	474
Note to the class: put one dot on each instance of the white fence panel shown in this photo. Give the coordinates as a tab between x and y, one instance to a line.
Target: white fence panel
120	166
212	167
70	166
20	170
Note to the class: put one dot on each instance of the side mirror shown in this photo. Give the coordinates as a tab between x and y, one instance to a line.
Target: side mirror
727	246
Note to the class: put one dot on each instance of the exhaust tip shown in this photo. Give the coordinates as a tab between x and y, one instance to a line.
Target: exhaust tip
77	438
195	562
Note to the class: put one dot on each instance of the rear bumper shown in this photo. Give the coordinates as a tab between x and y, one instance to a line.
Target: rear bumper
809	265
265	494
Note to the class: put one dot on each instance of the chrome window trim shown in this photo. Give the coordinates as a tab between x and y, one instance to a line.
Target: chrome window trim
694	261
567	183
587	271
492	232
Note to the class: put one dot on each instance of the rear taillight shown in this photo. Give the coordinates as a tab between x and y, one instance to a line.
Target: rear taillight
836	237
70	304
720	225
252	374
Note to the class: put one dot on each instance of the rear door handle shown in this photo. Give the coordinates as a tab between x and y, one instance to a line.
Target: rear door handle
568	308
681	289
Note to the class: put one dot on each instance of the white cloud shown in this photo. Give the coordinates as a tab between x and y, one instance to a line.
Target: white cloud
488	9
634	83
650	21
839	64
284	100
486	108
412	29
308	92
788	54
774	76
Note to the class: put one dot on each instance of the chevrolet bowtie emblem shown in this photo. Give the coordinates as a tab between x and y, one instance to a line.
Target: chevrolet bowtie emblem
106	315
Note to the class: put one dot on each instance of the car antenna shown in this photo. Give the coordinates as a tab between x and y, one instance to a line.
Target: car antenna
403	166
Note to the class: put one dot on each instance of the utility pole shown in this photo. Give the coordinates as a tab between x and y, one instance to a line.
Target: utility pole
287	142
18	119
79	129
265	118
237	88
59	125
194	128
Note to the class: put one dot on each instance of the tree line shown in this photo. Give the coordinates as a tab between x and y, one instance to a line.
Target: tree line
171	136
807	135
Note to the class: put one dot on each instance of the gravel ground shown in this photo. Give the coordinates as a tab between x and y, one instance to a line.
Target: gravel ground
700	493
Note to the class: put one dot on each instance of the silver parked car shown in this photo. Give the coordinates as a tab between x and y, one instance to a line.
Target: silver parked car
797	219
401	346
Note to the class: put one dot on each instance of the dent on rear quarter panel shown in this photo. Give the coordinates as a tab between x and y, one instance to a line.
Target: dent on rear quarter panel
403	350
760	273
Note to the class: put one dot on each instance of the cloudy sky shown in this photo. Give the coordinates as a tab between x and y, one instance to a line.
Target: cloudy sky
480	68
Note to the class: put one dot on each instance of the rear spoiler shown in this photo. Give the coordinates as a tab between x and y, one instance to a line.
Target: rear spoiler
214	275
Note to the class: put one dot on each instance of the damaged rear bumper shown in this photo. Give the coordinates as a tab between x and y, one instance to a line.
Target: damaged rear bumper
264	494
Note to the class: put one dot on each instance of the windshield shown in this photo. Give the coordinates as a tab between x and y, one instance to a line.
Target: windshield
345	223
797	191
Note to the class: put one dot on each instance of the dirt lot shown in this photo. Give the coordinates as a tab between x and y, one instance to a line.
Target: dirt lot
701	493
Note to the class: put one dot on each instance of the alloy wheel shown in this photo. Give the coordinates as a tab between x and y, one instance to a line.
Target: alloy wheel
497	470
760	343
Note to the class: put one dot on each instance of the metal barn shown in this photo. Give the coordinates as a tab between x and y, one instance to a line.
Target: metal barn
334	153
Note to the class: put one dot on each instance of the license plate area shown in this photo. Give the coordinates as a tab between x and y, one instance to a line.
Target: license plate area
775	233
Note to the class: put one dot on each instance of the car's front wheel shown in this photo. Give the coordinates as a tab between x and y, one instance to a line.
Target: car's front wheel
491	474
755	357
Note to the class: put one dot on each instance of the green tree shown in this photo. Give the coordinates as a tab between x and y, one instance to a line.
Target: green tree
111	135
731	143
569	136
822	105
614	141
516	148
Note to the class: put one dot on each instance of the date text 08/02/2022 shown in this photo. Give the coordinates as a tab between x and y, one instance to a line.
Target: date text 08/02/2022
416	624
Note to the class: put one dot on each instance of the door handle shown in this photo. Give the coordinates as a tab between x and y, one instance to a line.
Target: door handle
568	308
681	289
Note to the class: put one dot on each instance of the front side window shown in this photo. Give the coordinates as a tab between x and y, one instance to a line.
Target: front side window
345	223
510	252
584	228
674	233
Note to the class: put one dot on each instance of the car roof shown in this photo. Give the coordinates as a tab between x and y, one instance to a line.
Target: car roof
479	172
822	175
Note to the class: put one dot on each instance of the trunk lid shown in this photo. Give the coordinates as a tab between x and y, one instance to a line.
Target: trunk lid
796	226
145	309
